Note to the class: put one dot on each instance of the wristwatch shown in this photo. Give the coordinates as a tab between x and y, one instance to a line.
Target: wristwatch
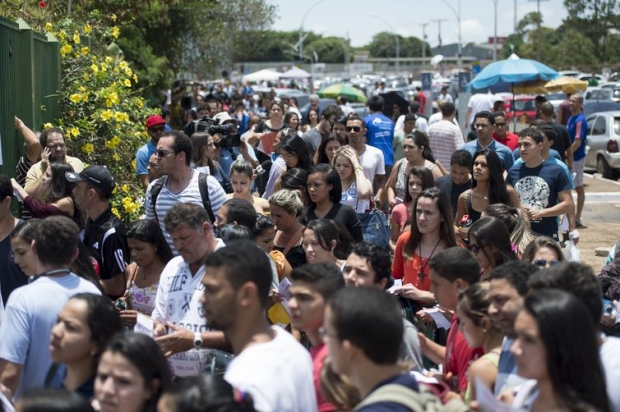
197	340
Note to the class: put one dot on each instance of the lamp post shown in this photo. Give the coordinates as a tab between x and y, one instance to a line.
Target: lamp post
457	14
301	29
397	42
495	32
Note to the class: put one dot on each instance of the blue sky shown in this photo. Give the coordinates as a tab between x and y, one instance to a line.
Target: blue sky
355	17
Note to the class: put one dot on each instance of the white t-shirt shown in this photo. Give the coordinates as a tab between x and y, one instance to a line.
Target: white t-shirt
349	197
479	103
421	124
178	302
278	375
373	162
610	358
27	322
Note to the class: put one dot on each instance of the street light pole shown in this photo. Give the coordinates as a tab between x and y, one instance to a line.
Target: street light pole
457	14
397	42
495	33
424	44
301	30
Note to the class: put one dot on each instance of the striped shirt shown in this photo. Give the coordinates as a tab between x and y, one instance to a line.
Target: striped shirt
445	138
191	194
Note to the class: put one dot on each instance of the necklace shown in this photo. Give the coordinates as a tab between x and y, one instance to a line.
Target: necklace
423	266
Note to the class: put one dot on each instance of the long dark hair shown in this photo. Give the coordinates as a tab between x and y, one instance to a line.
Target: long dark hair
297	146
103	320
490	231
421	140
326	231
148	231
498	192
446	230
287	119
331	177
321	150
200	141
208	393
424	174
60	187
574	369
145	355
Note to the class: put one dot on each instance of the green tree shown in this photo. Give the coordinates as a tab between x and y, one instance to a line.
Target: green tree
384	45
329	49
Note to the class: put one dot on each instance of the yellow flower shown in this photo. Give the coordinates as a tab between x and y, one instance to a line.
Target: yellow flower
88	148
87	28
122	65
119	116
66	49
109	144
75	132
62	35
133	163
128	72
84	51
94	68
108	102
47	126
127	83
82	89
113	17
114	97
125	187
86	76
135	78
104	67
115	212
106	115
115	32
125	117
48	26
109	60
116	140
75	98
116	157
76	38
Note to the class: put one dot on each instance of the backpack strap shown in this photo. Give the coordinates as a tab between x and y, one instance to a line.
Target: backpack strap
399	394
203	186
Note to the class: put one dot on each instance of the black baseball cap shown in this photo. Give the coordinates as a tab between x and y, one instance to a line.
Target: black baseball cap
99	177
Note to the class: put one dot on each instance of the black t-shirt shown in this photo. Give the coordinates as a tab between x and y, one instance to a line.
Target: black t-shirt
11	276
296	256
562	140
106	239
340	213
452	191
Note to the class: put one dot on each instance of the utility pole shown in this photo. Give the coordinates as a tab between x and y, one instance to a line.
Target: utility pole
495	32
439	29
538	33
515	23
424	44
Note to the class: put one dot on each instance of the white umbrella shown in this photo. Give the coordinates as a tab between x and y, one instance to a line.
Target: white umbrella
295	73
265	75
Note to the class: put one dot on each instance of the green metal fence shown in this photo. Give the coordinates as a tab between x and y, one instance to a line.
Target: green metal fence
29	85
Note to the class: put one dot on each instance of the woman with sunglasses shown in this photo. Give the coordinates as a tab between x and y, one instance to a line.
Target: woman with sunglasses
419	179
431	232
417	150
356	188
488	187
489	239
544	252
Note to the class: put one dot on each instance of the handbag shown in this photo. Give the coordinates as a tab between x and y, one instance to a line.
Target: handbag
374	226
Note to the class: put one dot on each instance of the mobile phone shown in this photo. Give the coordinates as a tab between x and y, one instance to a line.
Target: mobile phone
465	221
608	306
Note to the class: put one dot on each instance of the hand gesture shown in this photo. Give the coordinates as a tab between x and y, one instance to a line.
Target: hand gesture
15	185
408	291
180	340
45	157
129	318
18	123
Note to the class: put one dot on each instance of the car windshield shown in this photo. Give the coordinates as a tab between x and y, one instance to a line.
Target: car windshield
524	105
617	125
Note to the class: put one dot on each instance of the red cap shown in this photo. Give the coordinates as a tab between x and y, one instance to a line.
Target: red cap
154	120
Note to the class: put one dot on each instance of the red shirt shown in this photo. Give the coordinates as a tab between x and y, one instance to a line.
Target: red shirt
318	354
511	140
409	269
422	100
459	355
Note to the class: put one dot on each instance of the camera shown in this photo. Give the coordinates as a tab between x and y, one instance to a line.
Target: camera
228	131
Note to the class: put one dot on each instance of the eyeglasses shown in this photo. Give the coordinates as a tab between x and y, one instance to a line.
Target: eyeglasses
156	129
542	263
481	126
56	146
353	129
153	165
162	153
475	248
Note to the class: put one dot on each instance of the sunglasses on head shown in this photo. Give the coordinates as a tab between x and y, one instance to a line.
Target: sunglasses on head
353	129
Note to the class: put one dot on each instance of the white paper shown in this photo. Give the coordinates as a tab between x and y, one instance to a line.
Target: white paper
7	406
420	377
144	325
487	401
438	317
398	283
284	289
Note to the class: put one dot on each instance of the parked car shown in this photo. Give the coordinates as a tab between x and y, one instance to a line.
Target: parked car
524	109
602	150
595	106
599	93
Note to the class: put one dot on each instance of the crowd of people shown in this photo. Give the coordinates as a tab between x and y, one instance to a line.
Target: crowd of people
264	274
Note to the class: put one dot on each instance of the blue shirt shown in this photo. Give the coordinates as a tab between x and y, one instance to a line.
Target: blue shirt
380	134
557	161
503	151
142	158
578	128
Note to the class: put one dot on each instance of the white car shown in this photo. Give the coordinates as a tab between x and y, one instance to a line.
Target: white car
602	150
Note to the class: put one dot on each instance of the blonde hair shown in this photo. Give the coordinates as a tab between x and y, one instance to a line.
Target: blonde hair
474	302
289	200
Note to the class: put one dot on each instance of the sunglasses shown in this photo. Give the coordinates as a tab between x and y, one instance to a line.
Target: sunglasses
353	129
156	129
161	153
542	263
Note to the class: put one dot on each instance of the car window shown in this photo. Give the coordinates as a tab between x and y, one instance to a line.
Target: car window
617	125
599	126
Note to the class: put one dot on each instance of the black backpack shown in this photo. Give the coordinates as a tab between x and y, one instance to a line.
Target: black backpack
203	185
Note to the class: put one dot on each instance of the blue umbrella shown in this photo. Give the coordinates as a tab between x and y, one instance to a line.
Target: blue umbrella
511	71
